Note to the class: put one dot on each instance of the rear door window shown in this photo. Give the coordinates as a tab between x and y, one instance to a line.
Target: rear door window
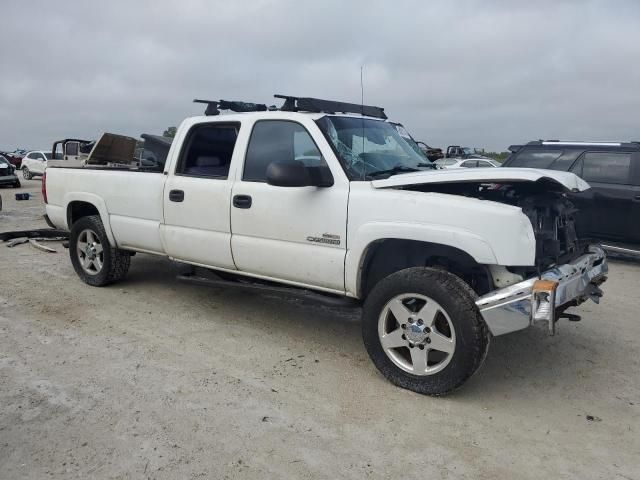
535	158
604	167
208	150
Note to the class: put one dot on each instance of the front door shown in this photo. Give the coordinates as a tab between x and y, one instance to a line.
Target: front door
197	196
294	234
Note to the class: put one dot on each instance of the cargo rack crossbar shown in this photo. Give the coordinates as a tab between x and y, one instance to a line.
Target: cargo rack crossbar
294	104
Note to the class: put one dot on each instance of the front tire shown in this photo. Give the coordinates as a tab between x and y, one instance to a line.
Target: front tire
95	261
423	331
26	173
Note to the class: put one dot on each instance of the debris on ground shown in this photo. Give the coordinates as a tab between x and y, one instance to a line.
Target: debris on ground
593	418
36	233
34	243
34	238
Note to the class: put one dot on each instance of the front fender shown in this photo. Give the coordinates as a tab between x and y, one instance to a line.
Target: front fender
473	244
97	202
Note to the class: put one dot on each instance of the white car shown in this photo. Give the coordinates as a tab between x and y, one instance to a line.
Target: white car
34	163
447	163
340	209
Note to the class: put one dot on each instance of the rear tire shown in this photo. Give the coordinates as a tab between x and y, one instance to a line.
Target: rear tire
95	261
26	174
423	331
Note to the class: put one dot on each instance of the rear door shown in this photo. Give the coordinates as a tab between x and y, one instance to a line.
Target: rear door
197	227
606	209
294	234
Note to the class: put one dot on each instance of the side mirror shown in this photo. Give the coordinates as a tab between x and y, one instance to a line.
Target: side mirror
294	173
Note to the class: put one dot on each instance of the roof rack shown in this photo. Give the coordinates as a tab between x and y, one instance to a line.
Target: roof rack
595	144
214	106
308	104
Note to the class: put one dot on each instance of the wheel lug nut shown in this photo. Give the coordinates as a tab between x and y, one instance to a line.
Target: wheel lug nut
427	330
428	340
411	320
421	347
404	337
411	345
403	326
420	322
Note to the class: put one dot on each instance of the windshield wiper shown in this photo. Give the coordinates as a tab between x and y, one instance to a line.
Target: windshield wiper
393	171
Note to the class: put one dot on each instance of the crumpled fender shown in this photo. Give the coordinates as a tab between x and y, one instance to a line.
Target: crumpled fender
465	240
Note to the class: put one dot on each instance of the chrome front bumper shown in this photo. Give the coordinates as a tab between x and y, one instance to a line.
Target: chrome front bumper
519	305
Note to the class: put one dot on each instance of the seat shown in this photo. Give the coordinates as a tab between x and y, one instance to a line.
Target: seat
208	166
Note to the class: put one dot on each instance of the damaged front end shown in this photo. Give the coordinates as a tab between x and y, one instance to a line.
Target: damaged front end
546	297
567	270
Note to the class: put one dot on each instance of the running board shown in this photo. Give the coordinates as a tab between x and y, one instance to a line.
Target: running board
303	294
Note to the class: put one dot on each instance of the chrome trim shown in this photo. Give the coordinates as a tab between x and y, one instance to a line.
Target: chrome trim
509	309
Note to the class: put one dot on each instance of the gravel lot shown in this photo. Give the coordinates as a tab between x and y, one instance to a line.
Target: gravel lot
151	378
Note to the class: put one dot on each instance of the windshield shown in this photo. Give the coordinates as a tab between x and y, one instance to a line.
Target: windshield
371	149
3	161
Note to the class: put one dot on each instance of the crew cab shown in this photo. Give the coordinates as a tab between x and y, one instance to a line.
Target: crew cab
327	200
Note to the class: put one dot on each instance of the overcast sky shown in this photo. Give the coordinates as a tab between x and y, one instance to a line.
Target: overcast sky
475	73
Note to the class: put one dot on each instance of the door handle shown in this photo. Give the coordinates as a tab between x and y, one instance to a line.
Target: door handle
176	195
636	198
242	201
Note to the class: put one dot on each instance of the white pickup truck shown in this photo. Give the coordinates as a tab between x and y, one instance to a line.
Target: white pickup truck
340	208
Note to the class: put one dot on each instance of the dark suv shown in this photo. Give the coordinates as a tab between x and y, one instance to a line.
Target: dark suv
610	209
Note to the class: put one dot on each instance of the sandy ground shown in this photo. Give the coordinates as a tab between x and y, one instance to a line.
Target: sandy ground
151	378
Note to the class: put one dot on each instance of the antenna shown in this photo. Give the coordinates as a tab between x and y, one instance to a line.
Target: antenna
362	88
362	117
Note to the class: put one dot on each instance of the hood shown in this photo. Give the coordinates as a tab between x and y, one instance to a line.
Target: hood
112	148
567	180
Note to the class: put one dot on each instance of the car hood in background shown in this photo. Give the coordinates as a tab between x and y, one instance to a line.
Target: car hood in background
567	180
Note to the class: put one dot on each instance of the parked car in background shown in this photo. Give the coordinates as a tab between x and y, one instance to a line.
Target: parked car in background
456	151
610	209
8	173
447	163
34	163
14	158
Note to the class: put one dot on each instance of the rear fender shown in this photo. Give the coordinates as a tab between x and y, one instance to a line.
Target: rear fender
97	202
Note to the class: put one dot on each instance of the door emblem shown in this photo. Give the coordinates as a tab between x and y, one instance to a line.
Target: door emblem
327	238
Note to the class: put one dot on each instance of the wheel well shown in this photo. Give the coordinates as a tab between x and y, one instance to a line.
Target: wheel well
76	210
387	256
